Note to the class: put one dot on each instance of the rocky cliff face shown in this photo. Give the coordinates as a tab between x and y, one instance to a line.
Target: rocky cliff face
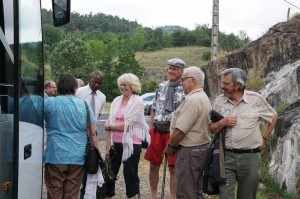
275	57
285	157
278	47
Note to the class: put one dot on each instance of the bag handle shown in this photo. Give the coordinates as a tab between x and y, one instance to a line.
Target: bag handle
89	128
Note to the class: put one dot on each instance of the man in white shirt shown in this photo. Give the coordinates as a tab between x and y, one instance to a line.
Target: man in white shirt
90	91
91	94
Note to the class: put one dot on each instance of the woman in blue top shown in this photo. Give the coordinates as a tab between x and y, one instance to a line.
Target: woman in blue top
66	124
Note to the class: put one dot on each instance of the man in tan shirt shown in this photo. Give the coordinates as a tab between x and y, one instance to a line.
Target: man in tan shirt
243	112
189	135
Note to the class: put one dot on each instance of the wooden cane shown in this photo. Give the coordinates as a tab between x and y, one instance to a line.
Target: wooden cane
164	177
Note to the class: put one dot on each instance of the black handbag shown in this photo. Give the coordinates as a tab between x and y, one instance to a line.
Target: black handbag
162	126
92	155
109	177
108	174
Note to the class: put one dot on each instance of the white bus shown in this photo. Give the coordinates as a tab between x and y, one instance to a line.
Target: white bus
21	95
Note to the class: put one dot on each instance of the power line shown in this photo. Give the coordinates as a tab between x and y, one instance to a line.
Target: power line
292	4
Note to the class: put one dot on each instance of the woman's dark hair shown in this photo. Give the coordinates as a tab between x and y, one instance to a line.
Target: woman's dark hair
67	84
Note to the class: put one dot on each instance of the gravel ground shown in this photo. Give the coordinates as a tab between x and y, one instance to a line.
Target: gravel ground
143	175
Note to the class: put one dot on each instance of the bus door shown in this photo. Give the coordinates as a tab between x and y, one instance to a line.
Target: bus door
21	95
7	90
21	99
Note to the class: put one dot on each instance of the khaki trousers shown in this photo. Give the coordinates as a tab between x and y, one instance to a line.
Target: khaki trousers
63	180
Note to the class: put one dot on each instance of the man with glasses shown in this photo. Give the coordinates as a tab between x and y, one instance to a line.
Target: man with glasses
169	96
243	113
189	135
49	89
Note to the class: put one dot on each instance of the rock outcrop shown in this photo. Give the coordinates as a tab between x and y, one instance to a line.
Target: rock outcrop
285	161
268	54
284	87
285	157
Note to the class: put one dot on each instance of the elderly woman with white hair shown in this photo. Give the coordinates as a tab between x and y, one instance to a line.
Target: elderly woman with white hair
126	128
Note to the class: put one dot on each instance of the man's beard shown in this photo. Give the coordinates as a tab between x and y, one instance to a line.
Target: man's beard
229	95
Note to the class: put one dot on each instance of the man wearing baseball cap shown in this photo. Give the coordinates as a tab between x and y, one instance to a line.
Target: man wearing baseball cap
169	95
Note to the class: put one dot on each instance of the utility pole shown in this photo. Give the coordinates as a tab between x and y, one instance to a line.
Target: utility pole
288	14
215	30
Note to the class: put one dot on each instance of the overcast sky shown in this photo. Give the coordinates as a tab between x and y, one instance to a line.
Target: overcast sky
253	16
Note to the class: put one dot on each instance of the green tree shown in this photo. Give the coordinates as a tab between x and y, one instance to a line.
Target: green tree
148	86
137	39
70	56
126	64
52	35
97	50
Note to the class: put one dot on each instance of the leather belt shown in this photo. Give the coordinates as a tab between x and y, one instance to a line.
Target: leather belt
256	150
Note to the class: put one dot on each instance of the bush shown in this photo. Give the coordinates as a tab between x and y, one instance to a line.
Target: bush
206	55
254	83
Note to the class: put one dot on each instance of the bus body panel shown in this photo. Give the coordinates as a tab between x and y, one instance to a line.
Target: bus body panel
21	96
30	169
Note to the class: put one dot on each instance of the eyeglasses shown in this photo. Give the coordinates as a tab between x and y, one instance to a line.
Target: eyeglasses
52	87
225	83
172	68
185	78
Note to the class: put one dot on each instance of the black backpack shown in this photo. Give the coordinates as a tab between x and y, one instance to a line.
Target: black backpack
214	170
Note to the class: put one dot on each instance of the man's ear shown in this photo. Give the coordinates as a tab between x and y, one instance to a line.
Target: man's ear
237	86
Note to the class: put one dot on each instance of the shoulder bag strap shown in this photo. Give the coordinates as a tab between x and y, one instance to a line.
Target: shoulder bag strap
89	128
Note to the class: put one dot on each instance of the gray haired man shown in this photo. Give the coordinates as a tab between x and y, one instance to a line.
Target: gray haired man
243	112
169	96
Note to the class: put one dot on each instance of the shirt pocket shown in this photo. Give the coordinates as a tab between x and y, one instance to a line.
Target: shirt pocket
247	120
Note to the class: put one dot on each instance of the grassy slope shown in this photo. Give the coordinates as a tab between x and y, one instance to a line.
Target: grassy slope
158	59
155	62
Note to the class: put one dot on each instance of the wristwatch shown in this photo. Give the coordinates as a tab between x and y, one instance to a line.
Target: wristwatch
171	146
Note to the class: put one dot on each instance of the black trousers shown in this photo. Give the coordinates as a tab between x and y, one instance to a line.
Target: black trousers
130	170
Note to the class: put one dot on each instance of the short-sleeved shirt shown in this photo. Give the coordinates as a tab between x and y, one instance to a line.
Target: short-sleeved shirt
66	123
250	111
191	118
85	93
158	103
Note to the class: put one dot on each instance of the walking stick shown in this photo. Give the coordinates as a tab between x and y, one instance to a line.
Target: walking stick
164	177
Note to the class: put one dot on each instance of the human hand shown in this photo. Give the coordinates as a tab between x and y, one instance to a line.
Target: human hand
263	145
107	126
229	121
169	151
107	157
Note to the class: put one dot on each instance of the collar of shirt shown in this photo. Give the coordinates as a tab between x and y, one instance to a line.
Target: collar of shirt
90	90
244	98
194	91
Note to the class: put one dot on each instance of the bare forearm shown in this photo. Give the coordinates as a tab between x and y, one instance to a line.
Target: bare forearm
152	114
176	137
215	127
95	141
108	141
270	127
228	121
94	136
114	127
